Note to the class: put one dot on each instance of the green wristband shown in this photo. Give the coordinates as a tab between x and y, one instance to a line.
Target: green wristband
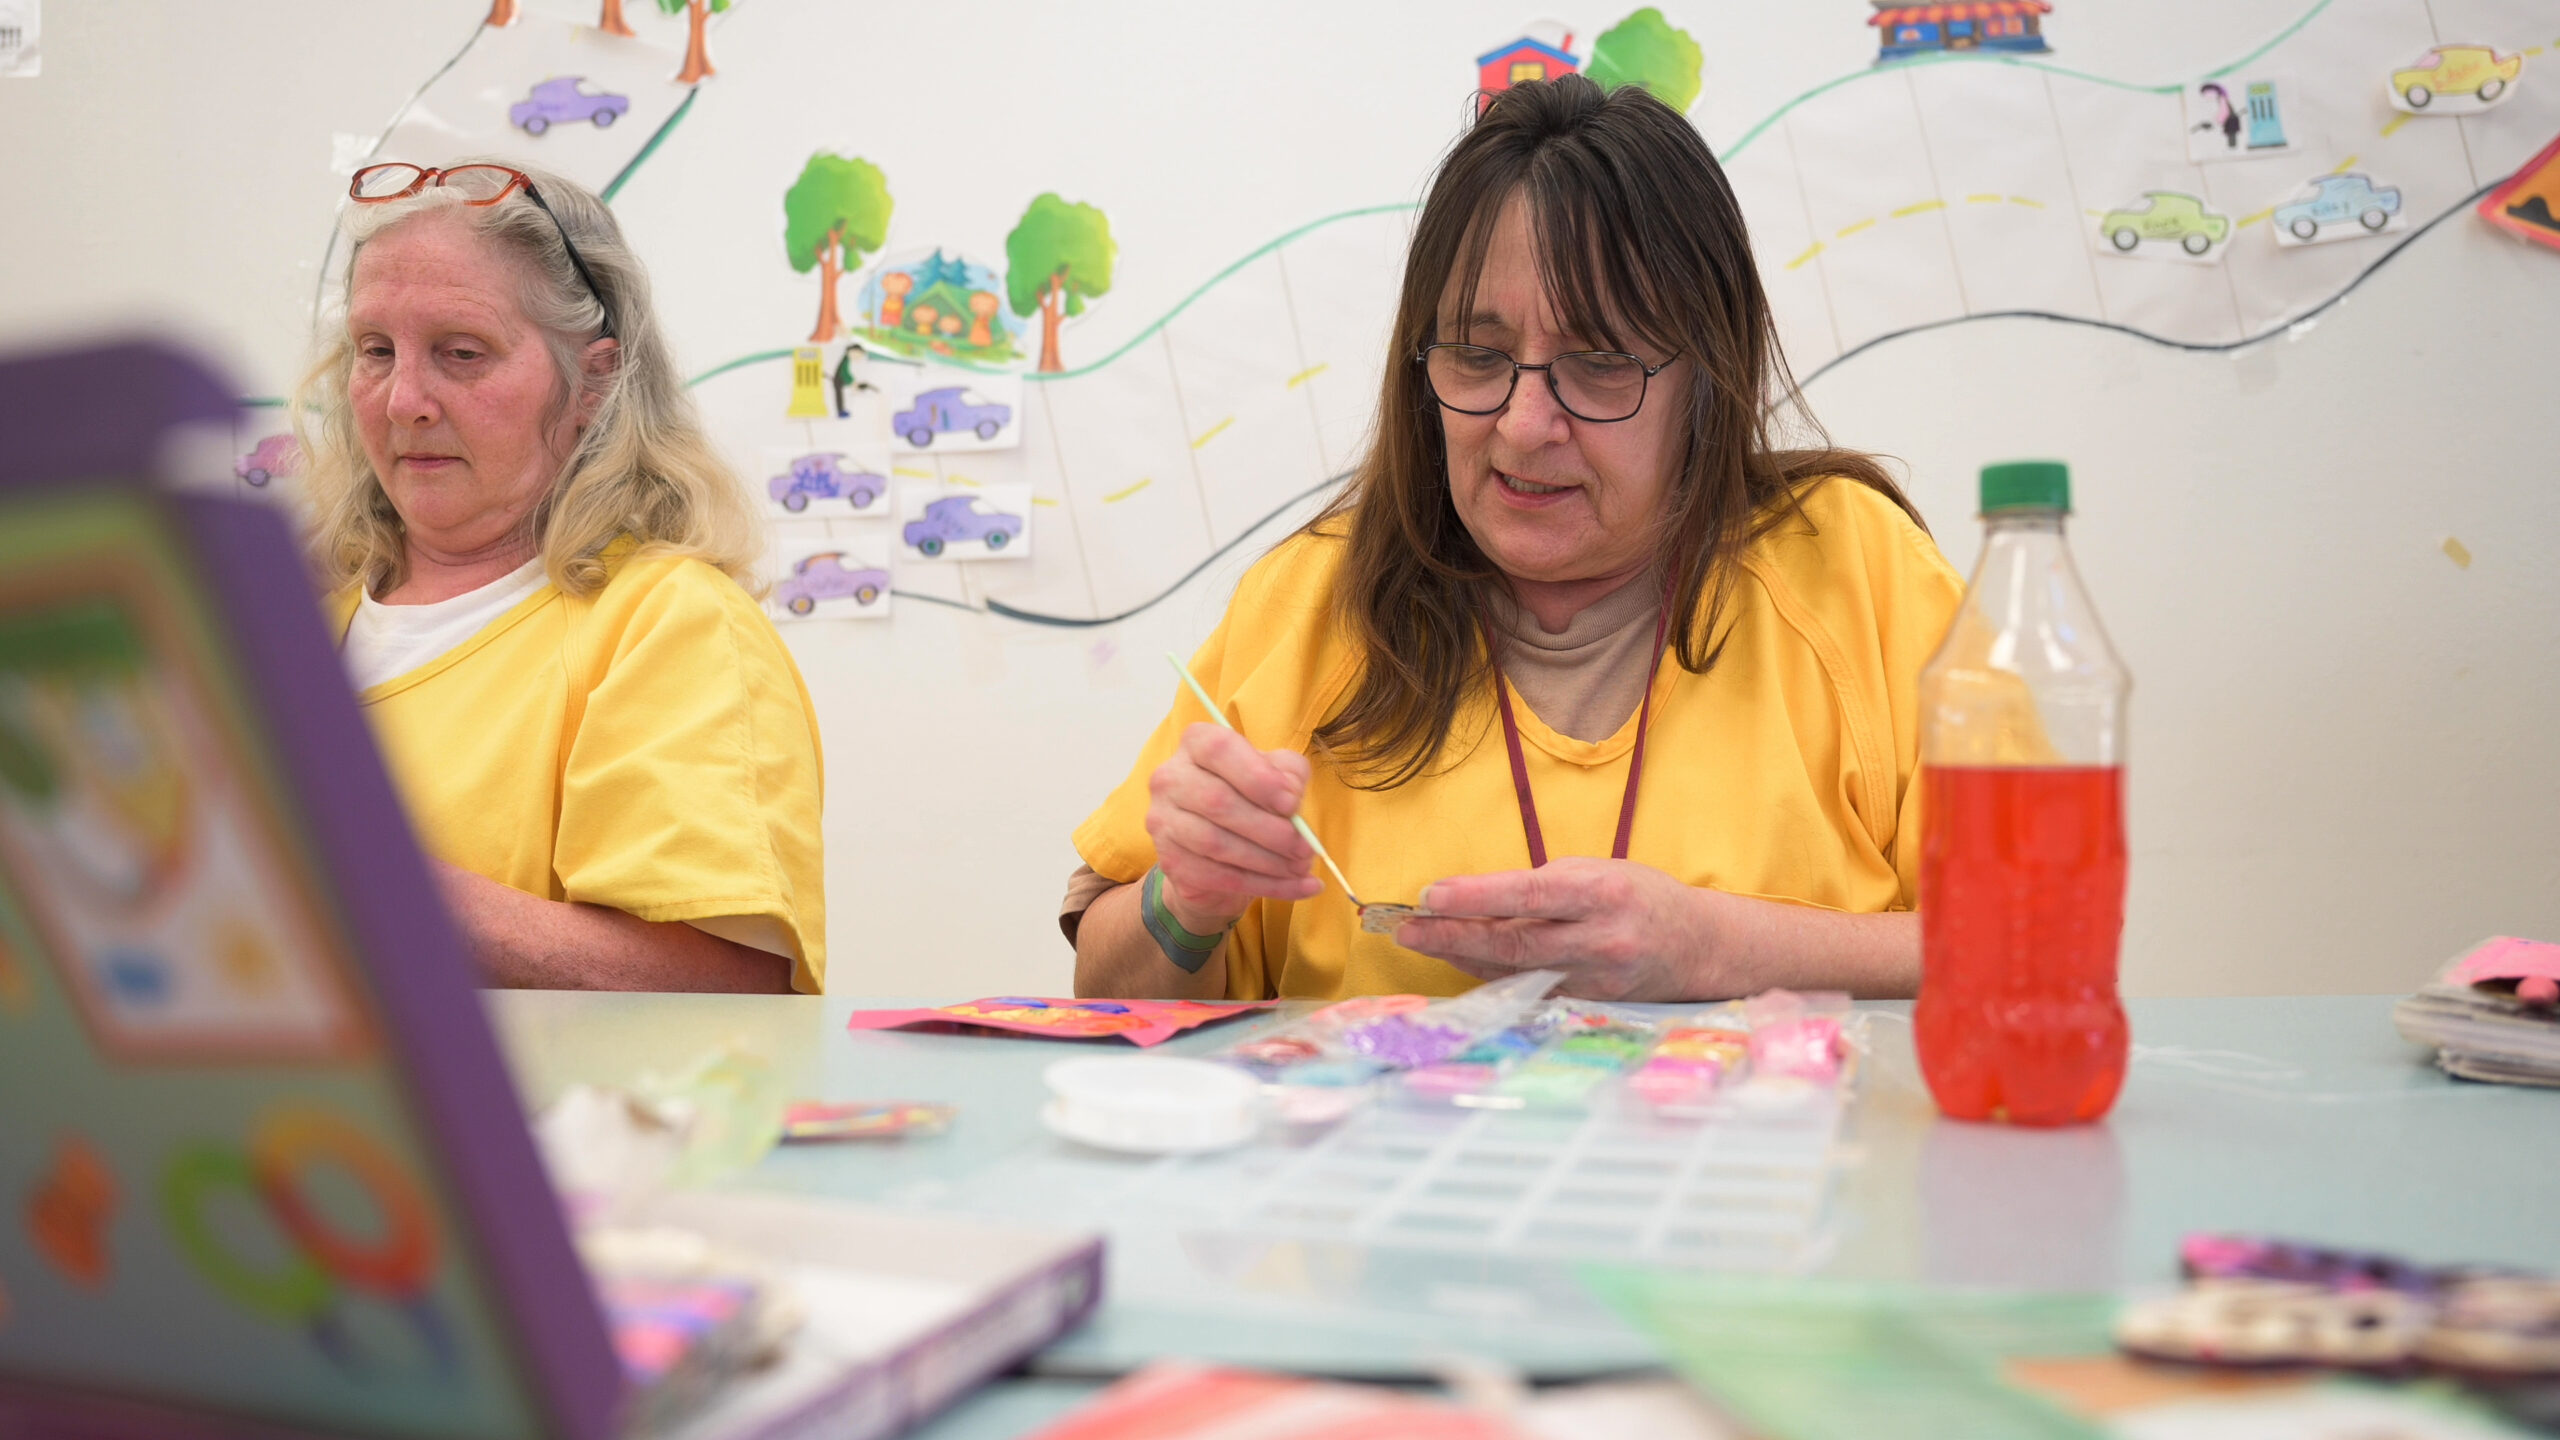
1187	951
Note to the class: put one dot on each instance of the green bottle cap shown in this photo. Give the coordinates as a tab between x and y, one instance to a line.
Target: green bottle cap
2026	485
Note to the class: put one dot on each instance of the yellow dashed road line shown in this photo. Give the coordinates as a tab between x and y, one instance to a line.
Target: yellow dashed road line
1212	432
1303	376
2247	221
1116	496
906	473
2403	118
1044	500
962	480
2346	165
1919	208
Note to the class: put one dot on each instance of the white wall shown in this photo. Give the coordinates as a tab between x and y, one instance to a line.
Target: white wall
2344	767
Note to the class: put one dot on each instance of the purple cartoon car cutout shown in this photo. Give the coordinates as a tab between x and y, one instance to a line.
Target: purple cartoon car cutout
952	520
824	475
947	410
823	577
559	101
276	455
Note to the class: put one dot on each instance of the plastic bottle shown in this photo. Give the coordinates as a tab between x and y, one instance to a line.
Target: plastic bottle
2022	871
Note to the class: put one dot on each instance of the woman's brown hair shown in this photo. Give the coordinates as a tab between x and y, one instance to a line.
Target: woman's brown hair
1639	241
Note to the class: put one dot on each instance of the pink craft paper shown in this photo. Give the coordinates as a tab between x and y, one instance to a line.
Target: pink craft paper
1140	1022
2532	966
2508	958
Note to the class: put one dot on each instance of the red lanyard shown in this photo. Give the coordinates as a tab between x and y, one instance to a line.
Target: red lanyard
1520	763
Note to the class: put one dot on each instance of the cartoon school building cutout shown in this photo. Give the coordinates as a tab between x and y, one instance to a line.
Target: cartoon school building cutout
2010	26
1544	52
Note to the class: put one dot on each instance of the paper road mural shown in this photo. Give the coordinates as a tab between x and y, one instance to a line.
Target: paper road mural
1967	171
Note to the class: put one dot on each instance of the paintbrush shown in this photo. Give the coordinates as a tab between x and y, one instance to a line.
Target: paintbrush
1298	820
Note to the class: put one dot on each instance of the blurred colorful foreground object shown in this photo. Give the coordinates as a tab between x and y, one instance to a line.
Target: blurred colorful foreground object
2256	1303
1140	1022
1800	1359
2528	204
1177	1401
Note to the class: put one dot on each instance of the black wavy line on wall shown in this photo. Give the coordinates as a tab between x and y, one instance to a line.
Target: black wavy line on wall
2200	347
1070	622
998	607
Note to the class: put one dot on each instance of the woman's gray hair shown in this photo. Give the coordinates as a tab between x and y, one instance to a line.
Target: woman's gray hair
643	468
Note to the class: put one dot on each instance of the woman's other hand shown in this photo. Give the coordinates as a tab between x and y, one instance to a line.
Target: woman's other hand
1219	813
1623	931
1618	930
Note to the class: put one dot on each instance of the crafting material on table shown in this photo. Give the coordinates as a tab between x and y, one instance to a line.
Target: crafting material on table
687	1316
1512	1128
808	1121
1151	1104
2492	1014
1140	1022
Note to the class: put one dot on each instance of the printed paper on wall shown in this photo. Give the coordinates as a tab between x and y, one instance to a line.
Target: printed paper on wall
964	522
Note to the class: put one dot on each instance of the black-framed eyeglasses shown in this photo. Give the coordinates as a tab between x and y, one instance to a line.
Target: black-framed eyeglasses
478	185
1602	386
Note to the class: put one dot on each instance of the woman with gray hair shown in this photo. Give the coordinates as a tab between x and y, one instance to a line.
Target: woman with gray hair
535	558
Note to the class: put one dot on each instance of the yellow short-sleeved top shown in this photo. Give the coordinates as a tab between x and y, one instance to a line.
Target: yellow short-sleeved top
650	747
1787	771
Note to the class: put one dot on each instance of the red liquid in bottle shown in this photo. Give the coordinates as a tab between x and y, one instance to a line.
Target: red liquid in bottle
2022	876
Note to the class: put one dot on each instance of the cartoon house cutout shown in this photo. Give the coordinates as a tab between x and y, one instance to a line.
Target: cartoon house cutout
2004	25
1544	53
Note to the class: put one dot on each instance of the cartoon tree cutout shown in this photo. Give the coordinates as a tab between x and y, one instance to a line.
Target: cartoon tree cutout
610	20
1057	258
836	213
697	52
1645	49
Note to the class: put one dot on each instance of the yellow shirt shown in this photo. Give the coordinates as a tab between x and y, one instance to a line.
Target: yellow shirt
1788	771
650	747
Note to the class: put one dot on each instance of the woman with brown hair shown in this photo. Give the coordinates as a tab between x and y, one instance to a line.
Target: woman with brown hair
1456	673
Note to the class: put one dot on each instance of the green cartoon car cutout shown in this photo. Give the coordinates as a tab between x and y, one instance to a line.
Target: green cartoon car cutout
2167	216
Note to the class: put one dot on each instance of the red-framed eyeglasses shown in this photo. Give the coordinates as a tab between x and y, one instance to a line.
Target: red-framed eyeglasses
478	185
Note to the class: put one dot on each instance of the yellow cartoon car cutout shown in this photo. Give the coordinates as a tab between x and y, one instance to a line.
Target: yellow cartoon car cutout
2167	216
2456	70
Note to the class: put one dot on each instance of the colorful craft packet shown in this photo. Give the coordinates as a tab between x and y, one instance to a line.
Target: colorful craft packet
1688	1065
813	1120
1140	1022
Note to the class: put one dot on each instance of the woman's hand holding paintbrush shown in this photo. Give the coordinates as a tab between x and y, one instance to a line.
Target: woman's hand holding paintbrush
1222	815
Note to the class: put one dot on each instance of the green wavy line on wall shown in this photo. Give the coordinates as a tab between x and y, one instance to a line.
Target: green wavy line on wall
1134	341
614	186
1977	58
1738	146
